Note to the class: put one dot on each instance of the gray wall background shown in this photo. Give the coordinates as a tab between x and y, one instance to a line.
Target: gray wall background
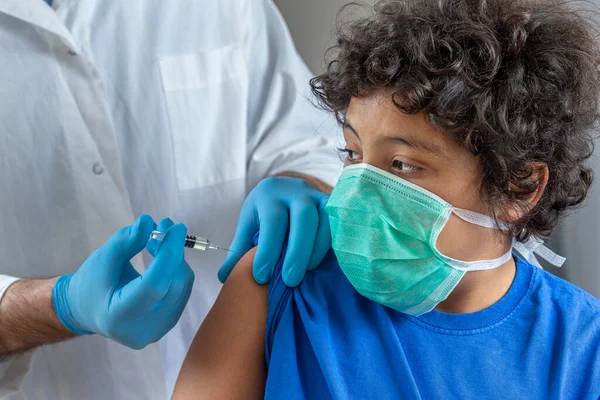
312	23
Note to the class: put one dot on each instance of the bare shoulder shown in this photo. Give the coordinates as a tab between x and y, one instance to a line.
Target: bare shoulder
241	293
230	344
242	273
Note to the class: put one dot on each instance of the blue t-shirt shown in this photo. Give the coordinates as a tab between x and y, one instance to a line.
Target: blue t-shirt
324	340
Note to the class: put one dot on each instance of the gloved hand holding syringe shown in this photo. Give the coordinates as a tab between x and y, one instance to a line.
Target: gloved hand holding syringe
191	241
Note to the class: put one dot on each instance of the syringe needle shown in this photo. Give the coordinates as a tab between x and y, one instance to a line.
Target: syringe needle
215	247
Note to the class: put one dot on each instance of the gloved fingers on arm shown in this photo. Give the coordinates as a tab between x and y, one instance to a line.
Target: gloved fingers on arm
242	241
323	238
274	223
164	225
304	220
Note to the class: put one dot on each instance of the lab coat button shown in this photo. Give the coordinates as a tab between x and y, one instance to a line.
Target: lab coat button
97	168
72	52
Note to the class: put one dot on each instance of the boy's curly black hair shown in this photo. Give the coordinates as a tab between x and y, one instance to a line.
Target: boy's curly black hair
515	82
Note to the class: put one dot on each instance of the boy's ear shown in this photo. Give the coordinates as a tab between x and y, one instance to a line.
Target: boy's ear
539	178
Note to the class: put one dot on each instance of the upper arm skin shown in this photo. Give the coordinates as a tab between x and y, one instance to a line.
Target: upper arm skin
226	359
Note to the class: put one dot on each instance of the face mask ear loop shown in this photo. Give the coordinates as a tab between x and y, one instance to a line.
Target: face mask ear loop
473	218
528	250
482	220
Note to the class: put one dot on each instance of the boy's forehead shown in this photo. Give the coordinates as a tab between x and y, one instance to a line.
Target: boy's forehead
376	116
378	107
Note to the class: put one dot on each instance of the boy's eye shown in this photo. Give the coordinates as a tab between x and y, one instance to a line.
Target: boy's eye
401	166
351	155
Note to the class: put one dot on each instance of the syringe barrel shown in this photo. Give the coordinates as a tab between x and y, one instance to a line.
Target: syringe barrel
196	242
191	241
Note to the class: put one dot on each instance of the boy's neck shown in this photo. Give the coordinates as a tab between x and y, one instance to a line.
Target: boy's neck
479	290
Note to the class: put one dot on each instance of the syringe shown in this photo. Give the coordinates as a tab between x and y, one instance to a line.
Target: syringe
191	241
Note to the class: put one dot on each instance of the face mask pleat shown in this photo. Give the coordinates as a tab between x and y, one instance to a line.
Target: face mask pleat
402	291
374	241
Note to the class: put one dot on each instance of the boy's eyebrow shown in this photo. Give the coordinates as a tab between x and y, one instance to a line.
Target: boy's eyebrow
406	140
347	125
413	142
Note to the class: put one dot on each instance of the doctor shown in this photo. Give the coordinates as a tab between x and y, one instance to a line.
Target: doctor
112	109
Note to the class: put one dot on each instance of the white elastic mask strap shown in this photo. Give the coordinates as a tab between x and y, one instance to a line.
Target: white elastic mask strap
485	221
535	246
476	218
483	265
528	250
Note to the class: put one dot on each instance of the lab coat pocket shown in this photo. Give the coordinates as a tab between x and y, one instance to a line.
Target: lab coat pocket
206	96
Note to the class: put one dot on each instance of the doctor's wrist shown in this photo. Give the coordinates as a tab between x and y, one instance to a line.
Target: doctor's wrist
62	307
27	317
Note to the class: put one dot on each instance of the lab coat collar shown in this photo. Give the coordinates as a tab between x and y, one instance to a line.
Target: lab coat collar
38	13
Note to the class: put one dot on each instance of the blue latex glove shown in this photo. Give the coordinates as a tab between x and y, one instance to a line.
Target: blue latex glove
107	296
275	206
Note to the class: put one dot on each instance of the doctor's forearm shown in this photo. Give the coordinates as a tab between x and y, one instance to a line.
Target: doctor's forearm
317	183
27	317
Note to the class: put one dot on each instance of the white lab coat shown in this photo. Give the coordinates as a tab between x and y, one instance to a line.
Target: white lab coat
110	109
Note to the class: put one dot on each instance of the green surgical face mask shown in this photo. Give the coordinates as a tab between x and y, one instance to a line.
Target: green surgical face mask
384	232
